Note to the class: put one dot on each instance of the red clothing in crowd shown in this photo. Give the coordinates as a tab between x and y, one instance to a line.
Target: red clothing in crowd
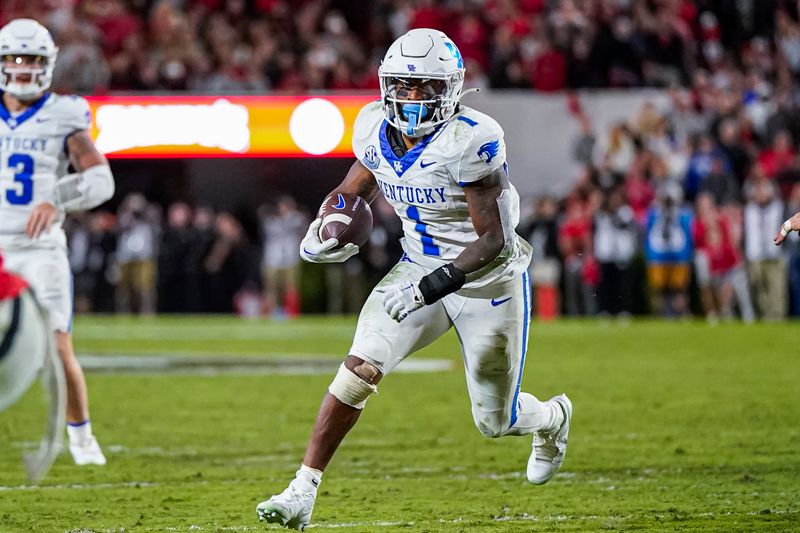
717	243
11	286
429	17
640	196
773	161
549	71
473	40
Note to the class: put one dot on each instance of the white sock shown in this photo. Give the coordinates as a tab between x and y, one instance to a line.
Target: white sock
533	415
311	478
79	432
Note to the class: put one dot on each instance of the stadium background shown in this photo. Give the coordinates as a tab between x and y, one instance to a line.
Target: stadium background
597	98
678	425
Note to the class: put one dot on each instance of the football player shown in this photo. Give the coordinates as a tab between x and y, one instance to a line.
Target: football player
442	166
26	346
41	134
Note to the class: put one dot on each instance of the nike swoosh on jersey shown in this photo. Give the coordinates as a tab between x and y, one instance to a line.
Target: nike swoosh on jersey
423	164
495	303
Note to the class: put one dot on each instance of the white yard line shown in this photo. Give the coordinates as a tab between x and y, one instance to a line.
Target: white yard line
277	364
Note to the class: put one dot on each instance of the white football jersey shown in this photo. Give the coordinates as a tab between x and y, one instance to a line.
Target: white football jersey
425	187
32	157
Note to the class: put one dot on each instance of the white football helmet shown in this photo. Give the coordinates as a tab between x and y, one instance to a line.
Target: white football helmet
429	60
21	39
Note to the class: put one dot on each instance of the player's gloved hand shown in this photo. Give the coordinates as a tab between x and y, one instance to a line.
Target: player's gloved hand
313	250
402	299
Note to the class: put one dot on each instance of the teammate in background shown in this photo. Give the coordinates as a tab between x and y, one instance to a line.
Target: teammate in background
26	346
41	134
441	165
790	225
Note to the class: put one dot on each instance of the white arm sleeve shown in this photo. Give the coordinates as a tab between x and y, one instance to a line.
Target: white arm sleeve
85	190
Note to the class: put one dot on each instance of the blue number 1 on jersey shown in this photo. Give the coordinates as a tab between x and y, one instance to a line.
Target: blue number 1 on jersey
22	164
428	248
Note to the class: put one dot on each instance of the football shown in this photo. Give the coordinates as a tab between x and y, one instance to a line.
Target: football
345	217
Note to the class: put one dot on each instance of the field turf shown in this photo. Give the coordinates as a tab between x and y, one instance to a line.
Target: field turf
677	427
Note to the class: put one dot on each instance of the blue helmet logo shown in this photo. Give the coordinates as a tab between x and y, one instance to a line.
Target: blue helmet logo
488	151
455	53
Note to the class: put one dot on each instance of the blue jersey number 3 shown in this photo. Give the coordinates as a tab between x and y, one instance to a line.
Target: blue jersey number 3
428	247
22	165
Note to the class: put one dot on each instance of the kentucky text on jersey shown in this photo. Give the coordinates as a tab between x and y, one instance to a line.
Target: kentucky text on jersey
28	144
413	195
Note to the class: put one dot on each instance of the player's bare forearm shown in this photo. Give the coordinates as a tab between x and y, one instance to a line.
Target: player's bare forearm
485	214
82	152
359	181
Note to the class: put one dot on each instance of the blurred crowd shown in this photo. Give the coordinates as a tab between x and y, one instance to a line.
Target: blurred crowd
675	210
301	45
144	259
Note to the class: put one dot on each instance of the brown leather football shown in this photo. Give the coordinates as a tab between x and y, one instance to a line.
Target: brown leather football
345	217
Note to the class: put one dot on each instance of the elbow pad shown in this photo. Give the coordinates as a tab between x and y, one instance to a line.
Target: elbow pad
85	190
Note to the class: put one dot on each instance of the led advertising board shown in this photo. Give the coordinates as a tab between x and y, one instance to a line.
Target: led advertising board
224	126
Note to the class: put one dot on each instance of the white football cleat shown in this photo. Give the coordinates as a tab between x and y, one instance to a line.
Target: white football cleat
291	508
550	448
87	452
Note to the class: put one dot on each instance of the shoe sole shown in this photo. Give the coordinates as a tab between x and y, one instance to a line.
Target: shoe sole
272	516
566	406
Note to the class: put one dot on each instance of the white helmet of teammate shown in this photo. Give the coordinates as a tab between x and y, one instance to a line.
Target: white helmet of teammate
428	60
27	58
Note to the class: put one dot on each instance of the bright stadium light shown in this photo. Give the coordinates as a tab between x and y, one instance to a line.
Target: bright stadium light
316	126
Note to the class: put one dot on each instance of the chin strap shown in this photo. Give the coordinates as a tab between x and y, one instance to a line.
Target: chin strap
465	93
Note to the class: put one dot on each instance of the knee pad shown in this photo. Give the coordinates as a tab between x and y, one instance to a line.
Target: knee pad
350	389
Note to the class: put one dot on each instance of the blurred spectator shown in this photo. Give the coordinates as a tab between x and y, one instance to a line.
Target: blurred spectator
549	68
283	228
720	183
778	156
178	284
719	272
731	145
225	264
765	262
545	269
615	243
136	256
92	246
668	251
580	271
620	151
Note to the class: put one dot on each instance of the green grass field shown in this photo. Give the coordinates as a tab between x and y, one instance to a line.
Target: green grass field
677	426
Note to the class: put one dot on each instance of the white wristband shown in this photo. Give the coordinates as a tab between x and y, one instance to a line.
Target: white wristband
786	229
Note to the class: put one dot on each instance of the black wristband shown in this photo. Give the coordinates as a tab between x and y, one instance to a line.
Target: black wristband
441	282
